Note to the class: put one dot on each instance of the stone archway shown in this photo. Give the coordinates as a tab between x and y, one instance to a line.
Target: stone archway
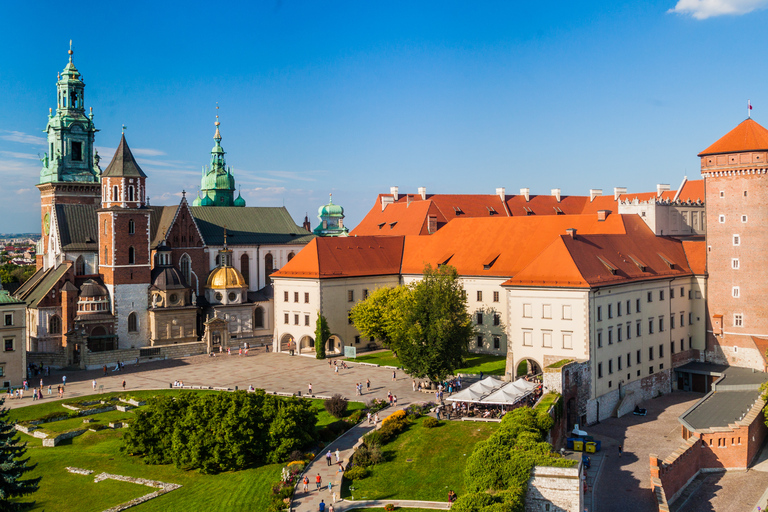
306	345
528	367
285	342
334	345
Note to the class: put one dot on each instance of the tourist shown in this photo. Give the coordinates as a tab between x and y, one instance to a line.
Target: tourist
328	457
376	419
330	507
309	389
369	417
321	506
49	389
336	369
105	370
413	385
620	450
337	455
330	487
394	399
367	385
394	375
306	483
318	481
41	383
64	380
123	384
94	384
341	468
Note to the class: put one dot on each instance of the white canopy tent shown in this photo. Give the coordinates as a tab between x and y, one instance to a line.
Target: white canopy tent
493	391
478	390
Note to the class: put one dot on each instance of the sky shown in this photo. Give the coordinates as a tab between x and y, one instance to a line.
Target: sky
351	98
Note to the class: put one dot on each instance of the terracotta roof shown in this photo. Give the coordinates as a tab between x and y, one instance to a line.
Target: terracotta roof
762	347
398	219
692	190
328	257
747	136
696	252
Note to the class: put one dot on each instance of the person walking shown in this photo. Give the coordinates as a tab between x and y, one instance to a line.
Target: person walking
376	419
328	457
337	455
309	389
104	368
413	385
64	380
306	483
330	487
369	417
94	384
330	507
321	506
367	385
318	481
394	399
394	375
123	384
49	389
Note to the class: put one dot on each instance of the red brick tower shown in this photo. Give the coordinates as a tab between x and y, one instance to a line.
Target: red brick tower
124	252
734	170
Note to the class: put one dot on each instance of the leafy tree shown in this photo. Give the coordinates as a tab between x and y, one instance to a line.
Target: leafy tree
13	467
322	333
425	323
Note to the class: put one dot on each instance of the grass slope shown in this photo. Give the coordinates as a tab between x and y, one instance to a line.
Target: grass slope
438	457
475	363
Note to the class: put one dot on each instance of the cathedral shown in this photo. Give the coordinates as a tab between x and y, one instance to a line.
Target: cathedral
118	279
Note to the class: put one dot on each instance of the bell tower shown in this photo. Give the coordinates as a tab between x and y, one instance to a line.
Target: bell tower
70	172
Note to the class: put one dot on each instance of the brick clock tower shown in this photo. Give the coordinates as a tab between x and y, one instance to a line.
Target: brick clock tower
124	245
70	172
735	170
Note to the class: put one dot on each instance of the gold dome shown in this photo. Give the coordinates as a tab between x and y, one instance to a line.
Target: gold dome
225	277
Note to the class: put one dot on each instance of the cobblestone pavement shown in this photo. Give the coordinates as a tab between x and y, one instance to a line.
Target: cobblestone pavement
270	371
732	491
624	482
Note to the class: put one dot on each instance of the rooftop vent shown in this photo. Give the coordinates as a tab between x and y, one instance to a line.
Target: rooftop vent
527	193
395	192
423	192
556	193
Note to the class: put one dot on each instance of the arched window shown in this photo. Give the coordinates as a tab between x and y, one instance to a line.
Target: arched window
131	227
130	193
218	260
132	323
185	263
290	256
80	266
258	317
106	255
245	268
54	325
115	195
268	267
105	226
131	256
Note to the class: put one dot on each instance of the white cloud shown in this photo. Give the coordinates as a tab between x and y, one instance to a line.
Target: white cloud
23	191
22	137
147	152
703	9
264	191
25	156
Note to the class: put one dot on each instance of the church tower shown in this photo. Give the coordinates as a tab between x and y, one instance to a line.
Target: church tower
70	172
735	170
217	186
124	252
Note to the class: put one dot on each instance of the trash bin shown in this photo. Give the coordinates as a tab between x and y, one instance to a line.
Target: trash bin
578	445
569	443
597	446
591	447
235	388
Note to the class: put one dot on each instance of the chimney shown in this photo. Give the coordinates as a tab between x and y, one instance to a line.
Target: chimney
594	192
394	192
617	191
502	193
527	193
423	192
603	214
386	200
571	232
661	188
556	192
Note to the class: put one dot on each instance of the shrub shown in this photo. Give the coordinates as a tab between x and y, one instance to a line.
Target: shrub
389	507
356	417
395	416
373	438
367	456
296	465
431	422
356	473
296	455
336	406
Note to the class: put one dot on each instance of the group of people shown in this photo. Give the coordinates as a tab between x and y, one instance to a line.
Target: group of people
391	398
178	383
33	370
359	387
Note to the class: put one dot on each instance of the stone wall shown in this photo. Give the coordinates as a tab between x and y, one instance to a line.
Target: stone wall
52	359
95	360
555	490
611	403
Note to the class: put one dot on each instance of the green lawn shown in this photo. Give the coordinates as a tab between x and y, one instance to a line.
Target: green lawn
475	363
99	451
437	463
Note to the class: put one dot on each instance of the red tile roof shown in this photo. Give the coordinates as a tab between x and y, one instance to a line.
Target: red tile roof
327	257
747	136
696	252
692	190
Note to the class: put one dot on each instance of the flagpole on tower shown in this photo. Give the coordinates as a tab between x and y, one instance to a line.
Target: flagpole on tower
749	109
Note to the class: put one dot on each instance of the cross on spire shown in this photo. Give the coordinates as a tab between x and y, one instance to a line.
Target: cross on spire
124	127
70	50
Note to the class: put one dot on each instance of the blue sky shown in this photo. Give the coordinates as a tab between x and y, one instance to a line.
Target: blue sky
351	98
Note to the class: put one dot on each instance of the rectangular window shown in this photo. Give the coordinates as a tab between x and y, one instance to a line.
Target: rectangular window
744	219
639	329
610	336
349	317
650	296
479	319
629	360
357	340
671	293
650	353
671	321
496	319
721	218
629	331
618	309
610	366
650	326
638	357
496	342
736	240
599	313
306	298
672	347
735	263
567	340
618	333
350	295
682	292
650	370
285	319
661	324
629	307
682	319
527	311
546	311
661	350
682	345
365	293
735	292
479	296
8	344
618	363
527	338
690	318
546	339
285	296
8	319
738	320
637	305
306	319
295	319
661	294
495	296
295	296
77	151
610	310
690	342
599	370
479	342
567	312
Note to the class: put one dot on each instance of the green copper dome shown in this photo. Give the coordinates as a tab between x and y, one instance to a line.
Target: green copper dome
239	201
331	220
217	183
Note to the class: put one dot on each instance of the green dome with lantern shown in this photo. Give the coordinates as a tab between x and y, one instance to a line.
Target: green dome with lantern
217	185
331	218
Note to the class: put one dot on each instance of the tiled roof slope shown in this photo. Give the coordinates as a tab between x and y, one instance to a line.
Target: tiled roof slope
123	163
328	257
78	226
696	252
248	225
692	190
500	247
160	222
40	289
747	136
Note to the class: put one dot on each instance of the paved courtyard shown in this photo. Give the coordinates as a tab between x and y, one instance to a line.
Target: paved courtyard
270	371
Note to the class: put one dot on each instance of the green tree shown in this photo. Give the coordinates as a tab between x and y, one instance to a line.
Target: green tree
322	333
13	466
425	323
